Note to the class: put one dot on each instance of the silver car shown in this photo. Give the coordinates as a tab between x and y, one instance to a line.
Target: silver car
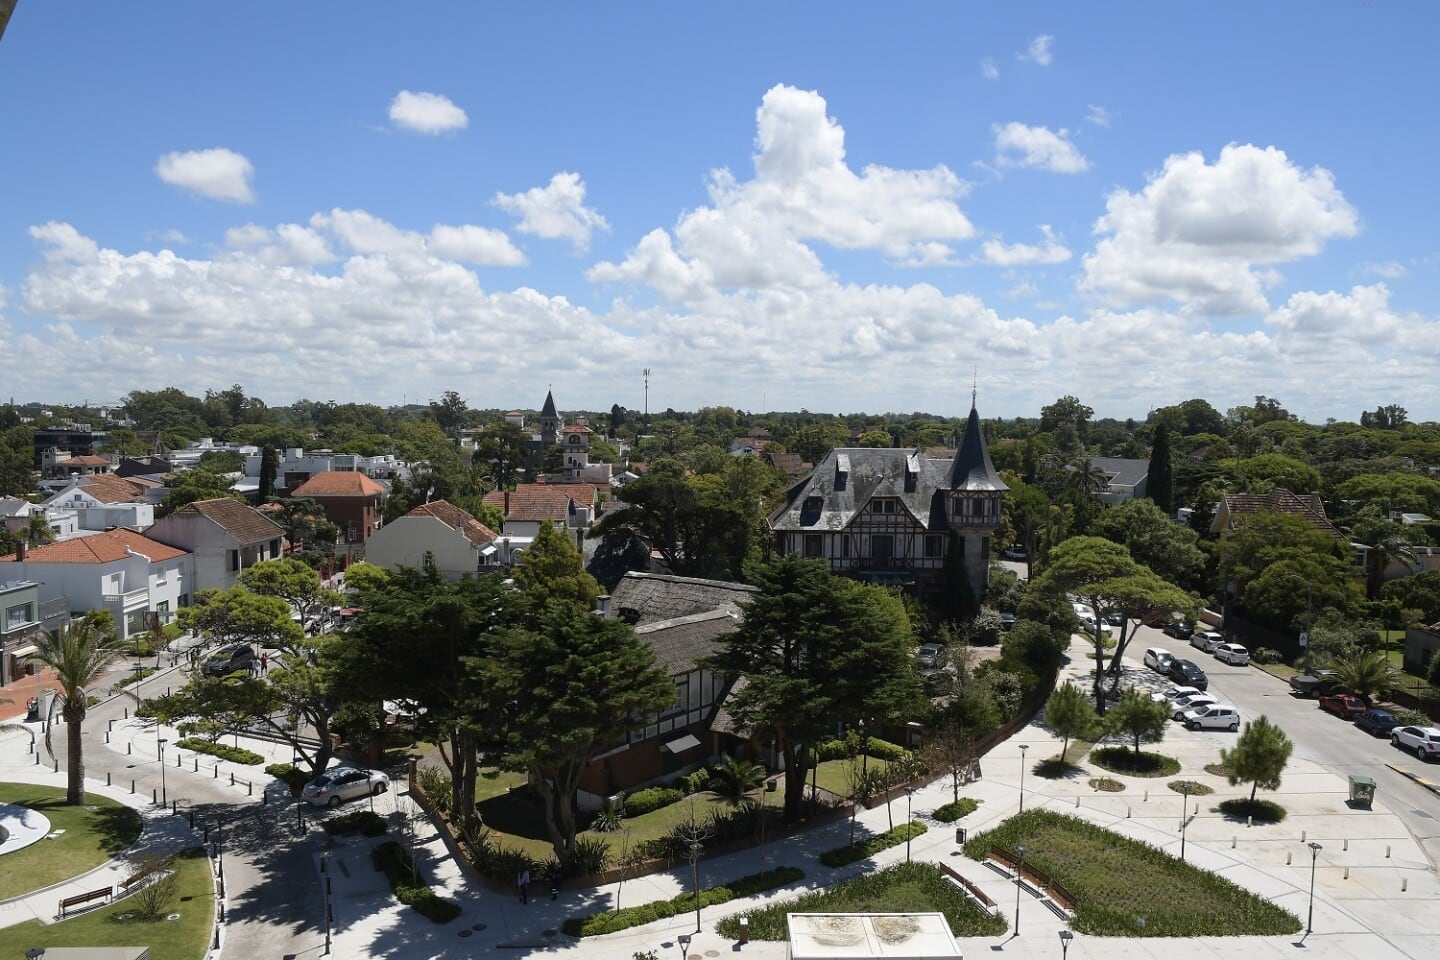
344	783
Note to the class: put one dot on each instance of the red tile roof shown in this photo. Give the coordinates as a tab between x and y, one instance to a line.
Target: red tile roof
104	547
108	488
89	461
339	483
456	519
533	502
1280	500
244	523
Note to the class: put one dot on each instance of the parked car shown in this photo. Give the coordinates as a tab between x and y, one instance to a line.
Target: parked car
1115	618
1007	620
1232	653
1013	553
1158	659
1173	693
928	655
1344	705
1178	629
1185	671
227	660
1376	720
1206	640
1316	683
1425	741
1214	716
1193	702
344	783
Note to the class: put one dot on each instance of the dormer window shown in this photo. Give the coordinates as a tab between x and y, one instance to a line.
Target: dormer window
884	505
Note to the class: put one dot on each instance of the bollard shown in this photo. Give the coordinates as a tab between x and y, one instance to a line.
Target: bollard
1288	855
1347	874
232	778
174	808
57	766
744	930
178	760
249	789
1404	884
1127	813
107	736
1077	801
127	713
132	786
1147	796
127	749
1232	841
110	727
215	772
1387	851
1346	845
197	765
1249	821
1302	836
107	778
154	795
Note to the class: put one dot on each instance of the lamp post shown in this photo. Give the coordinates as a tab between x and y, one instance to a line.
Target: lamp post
1023	748
684	941
1184	814
695	847
164	798
909	793
1019	874
1065	937
1315	849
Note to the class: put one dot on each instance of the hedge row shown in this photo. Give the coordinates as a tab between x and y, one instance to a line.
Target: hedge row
394	862
651	799
863	849
874	746
597	924
233	754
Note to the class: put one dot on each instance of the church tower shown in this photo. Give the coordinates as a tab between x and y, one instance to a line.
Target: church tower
973	504
549	422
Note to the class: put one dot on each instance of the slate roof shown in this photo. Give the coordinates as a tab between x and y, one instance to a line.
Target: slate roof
104	547
534	502
662	597
1310	509
340	483
972	469
681	642
1123	472
548	410
243	523
456	519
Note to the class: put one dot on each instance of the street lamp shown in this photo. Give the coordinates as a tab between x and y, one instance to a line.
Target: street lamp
1184	814
909	792
1019	874
164	798
695	847
1023	748
684	941
1065	937
1315	849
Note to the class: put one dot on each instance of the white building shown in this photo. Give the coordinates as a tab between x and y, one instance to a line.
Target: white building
225	536
459	543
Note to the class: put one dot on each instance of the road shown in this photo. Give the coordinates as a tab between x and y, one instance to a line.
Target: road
1329	741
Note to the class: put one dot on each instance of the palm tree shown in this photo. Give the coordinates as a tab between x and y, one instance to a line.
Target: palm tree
1366	674
734	779
37	531
77	657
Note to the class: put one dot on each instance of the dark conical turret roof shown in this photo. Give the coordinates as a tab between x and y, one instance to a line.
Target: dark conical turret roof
549	409
972	469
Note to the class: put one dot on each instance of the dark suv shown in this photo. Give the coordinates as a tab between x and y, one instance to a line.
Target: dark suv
1316	683
227	660
1186	672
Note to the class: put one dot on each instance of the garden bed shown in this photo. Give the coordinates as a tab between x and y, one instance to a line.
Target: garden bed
93	833
864	849
1125	761
597	924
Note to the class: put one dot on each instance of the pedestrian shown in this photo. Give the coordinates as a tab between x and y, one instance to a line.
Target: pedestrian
265	664
523	882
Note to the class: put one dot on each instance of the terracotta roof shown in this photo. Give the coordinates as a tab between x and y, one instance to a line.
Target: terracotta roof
577	428
339	483
108	488
89	461
456	519
244	523
1279	500
104	547
541	501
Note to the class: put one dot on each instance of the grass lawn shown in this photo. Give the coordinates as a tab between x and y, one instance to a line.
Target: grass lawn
1115	879
184	939
834	775
903	888
93	834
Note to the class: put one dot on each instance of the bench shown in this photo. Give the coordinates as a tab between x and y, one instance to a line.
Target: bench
969	888
79	898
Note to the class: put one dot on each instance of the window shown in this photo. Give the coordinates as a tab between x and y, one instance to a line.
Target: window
934	547
814	545
19	615
883	505
234	560
845	546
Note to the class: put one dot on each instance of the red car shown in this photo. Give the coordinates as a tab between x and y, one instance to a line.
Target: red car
1344	705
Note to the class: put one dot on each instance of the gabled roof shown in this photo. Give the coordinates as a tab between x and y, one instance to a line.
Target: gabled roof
89	460
842	484
340	483
15	507
577	428
456	519
534	502
108	488
104	547
681	642
1122	472
972	469
1279	500
243	523
662	597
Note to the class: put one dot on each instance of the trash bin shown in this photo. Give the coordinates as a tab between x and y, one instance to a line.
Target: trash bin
959	834
1362	791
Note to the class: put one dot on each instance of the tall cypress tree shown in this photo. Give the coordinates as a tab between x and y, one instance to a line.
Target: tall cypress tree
1161	487
269	467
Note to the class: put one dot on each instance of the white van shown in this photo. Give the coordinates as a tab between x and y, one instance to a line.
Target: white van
1232	653
1158	659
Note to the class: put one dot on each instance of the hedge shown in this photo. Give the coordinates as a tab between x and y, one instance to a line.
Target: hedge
233	754
951	812
863	849
394	862
365	822
874	746
651	799
597	924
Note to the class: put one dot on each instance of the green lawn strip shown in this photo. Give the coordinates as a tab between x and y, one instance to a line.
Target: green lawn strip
601	923
950	812
834	775
93	834
187	938
903	888
222	750
1114	880
409	885
864	849
1126	761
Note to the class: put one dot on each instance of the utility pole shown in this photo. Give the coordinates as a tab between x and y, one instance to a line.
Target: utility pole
647	399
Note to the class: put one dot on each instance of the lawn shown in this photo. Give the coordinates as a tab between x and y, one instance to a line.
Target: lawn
903	888
834	775
187	938
1114	880
93	834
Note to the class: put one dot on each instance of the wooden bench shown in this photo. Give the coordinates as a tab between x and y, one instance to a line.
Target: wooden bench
970	889
79	898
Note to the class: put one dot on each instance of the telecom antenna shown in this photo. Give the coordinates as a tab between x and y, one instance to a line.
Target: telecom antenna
647	398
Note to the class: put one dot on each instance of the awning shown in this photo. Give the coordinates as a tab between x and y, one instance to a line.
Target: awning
488	549
680	745
25	651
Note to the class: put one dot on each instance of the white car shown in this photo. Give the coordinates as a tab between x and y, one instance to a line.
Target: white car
344	783
1192	702
1425	741
1232	653
1158	659
1214	716
1206	640
1171	694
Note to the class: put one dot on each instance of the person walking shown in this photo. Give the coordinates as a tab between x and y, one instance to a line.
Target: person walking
523	882
264	664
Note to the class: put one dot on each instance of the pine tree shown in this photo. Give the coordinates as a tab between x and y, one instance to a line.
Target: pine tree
1259	756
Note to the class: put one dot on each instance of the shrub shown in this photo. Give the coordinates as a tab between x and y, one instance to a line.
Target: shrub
590	855
221	750
607	821
863	849
1106	784
498	861
951	812
435	783
288	774
394	861
1265	655
874	746
133	677
696	782
155	884
1263	811
1126	761
1412	718
365	822
601	923
1192	787
651	799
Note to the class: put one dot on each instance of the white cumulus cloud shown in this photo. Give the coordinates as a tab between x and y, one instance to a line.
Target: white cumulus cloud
988	70
1207	234
1050	251
1040	51
555	211
1019	145
431	113
218	173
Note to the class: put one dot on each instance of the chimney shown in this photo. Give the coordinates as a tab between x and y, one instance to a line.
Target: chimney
21	550
602	606
507	503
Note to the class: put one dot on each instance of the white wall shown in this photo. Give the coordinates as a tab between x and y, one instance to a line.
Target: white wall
405	541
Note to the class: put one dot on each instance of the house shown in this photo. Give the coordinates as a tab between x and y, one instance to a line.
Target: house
19	626
105	500
897	517
351	500
1421	645
459	544
55	462
567	506
298	466
1125	480
1234	507
76	439
225	537
118	570
575	457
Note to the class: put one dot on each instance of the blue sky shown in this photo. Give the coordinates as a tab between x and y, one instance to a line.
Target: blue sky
771	206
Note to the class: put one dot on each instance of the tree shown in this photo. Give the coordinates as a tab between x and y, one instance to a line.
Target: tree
734	780
449	412
1388	543
692	529
195	485
305	524
1067	411
1365	673
951	749
269	467
78	657
1258	757
572	686
815	650
1160	485
1168	548
554	570
295	582
501	452
1069	713
1139	717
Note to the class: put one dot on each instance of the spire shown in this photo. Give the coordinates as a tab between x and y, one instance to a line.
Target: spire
549	409
972	468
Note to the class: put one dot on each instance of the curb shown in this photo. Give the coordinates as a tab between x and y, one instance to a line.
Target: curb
1432	787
